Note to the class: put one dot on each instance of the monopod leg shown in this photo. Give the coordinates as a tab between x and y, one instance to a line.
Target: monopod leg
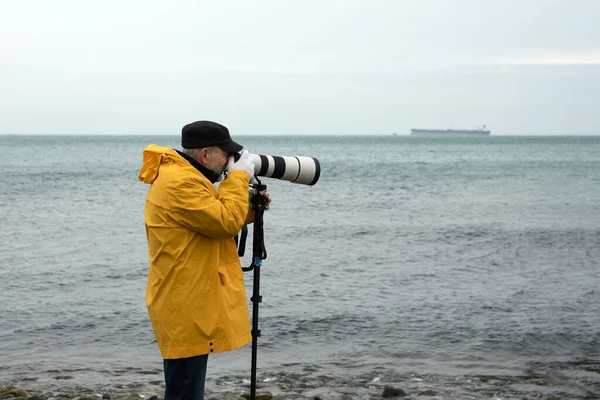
256	298
259	253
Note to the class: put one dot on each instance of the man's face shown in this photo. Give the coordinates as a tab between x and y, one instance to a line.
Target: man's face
216	159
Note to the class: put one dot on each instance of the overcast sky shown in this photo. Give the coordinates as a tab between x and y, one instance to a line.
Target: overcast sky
302	67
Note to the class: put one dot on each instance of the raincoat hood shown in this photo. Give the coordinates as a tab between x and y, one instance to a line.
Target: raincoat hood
154	156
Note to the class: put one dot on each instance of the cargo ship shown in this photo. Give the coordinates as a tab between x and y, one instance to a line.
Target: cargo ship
482	131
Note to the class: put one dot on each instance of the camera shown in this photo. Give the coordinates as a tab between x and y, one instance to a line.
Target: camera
295	169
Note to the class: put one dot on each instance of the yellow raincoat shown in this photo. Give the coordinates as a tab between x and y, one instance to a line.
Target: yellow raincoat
195	295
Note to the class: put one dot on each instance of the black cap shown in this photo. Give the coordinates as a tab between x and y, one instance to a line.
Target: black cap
201	134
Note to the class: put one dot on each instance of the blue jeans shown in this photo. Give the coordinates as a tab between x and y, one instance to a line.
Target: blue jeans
185	378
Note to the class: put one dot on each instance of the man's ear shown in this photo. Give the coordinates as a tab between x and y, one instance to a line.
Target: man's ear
203	155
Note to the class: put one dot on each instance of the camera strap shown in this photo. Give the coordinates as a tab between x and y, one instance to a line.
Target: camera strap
242	240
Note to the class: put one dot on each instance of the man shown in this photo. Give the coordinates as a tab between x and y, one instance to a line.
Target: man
195	295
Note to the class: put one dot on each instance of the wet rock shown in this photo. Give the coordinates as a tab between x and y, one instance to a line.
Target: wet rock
393	392
155	397
106	396
36	397
12	392
128	396
265	396
428	393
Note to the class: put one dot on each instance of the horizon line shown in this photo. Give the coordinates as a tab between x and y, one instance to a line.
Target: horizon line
288	134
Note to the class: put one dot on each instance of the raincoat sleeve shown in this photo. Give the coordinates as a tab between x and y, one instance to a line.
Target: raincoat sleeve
196	207
251	216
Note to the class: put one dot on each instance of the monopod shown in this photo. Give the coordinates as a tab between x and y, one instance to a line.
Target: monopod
259	253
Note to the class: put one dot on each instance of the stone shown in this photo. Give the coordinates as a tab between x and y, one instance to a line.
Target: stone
13	392
259	396
127	396
393	392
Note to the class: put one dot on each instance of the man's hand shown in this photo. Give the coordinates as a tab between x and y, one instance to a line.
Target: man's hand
262	193
244	163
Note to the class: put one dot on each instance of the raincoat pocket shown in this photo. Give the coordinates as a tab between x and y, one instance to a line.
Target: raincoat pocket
232	286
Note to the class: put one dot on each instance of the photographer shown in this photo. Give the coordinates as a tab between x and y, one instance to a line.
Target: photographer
195	294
